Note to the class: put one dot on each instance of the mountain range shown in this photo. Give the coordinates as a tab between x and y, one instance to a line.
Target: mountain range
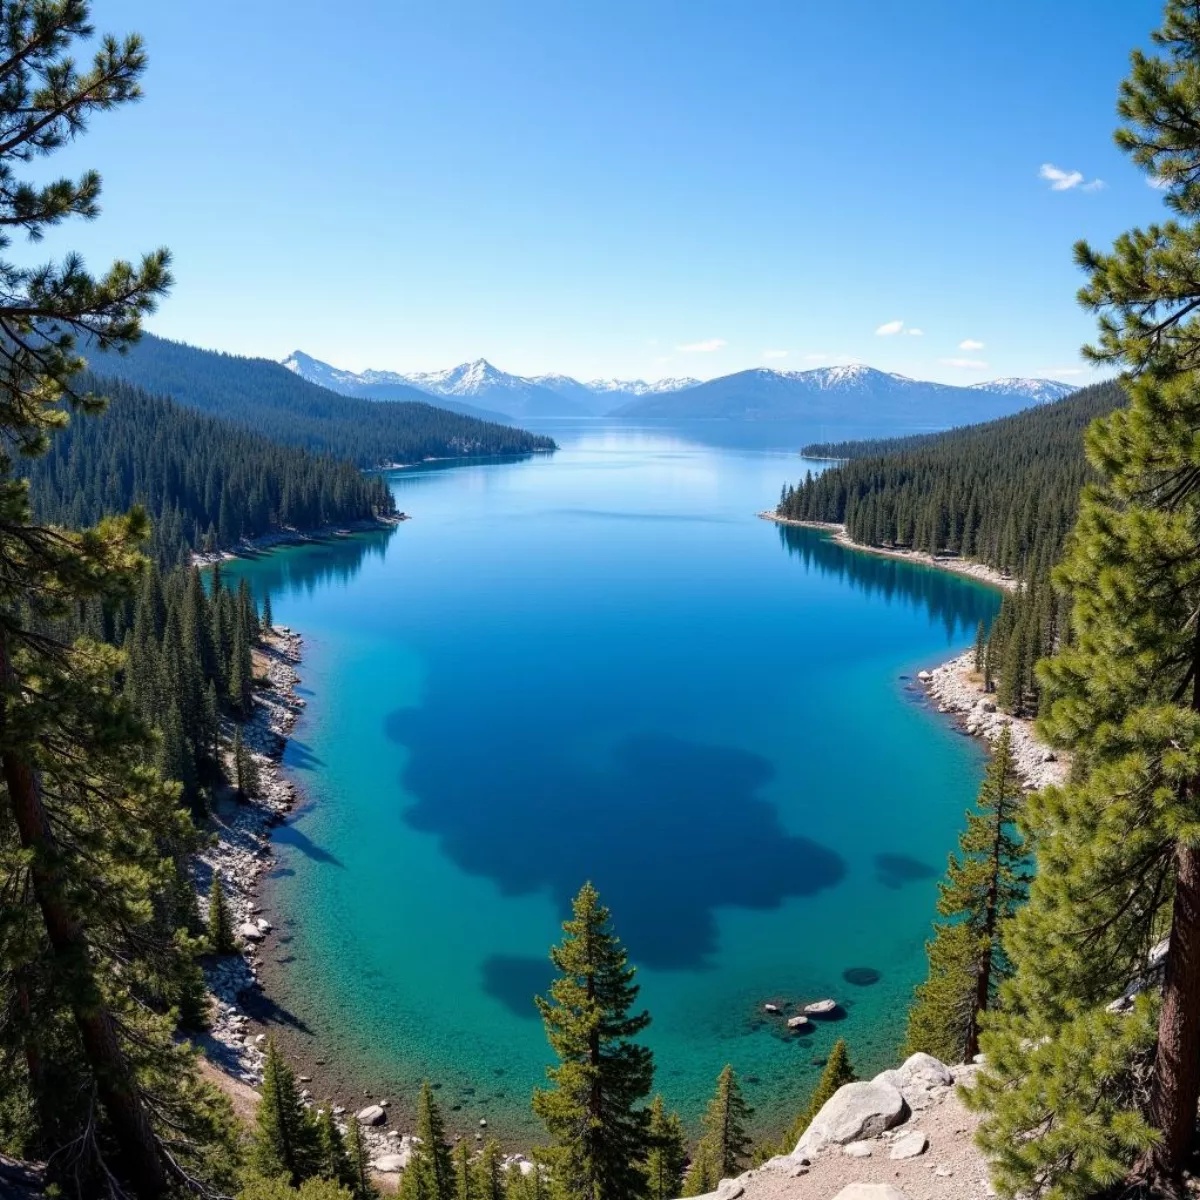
478	386
848	394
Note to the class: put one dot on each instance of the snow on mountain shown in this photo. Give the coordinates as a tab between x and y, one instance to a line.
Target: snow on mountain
1040	391
641	387
851	390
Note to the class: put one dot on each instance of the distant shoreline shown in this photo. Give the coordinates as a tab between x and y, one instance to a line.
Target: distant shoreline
295	537
978	571
953	684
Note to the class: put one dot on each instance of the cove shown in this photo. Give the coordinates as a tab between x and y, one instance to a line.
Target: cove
599	664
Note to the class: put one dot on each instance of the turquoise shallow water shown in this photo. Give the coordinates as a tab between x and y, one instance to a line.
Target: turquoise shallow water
600	664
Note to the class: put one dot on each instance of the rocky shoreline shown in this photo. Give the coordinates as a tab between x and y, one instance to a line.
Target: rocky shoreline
958	690
241	853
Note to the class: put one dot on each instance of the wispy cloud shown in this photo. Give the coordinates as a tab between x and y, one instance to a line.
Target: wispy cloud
705	347
889	329
1064	181
1060	372
965	364
915	332
775	354
1158	183
970	344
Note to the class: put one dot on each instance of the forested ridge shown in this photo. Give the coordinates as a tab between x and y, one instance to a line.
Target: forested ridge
204	482
269	399
1004	492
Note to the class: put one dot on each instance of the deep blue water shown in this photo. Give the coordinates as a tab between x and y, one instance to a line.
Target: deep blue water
599	664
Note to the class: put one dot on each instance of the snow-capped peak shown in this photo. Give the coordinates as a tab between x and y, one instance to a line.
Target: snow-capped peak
1040	391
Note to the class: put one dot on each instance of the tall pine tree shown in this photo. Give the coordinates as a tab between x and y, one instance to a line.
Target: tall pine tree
1118	848
593	1110
725	1145
430	1173
667	1156
983	889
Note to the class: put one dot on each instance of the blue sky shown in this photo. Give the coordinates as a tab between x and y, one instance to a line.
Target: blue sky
623	188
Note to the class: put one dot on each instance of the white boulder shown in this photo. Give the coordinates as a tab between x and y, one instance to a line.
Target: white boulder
389	1164
854	1112
820	1007
870	1191
910	1145
250	932
371	1115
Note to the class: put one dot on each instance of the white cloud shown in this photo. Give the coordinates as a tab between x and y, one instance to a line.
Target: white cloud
970	344
1063	181
1158	183
707	346
890	328
1058	372
775	354
915	332
965	364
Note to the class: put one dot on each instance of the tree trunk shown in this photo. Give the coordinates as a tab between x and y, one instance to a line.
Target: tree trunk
115	1086
1176	1086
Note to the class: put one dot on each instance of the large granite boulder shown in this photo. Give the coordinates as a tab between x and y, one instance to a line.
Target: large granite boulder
918	1074
870	1191
373	1114
854	1112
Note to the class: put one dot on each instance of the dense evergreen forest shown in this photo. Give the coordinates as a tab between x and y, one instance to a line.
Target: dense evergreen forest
271	400
204	482
1005	492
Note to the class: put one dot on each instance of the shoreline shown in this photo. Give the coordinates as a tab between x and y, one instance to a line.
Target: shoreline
243	855
966	567
295	537
242	1011
953	684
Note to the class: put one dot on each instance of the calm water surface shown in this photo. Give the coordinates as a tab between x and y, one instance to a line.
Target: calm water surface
600	665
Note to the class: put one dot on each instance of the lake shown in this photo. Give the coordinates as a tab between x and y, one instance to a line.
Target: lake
600	664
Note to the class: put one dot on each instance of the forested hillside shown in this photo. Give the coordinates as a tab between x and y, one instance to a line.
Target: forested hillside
268	398
1005	492
205	483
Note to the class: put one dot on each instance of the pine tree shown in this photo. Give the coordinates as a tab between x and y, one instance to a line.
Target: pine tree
982	890
268	621
360	1163
490	1182
245	769
592	1110
89	835
285	1137
980	645
279	1189
220	923
667	1155
1118	847
430	1173
332	1160
725	1144
837	1073
464	1174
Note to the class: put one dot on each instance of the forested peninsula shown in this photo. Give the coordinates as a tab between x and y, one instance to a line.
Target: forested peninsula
271	400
